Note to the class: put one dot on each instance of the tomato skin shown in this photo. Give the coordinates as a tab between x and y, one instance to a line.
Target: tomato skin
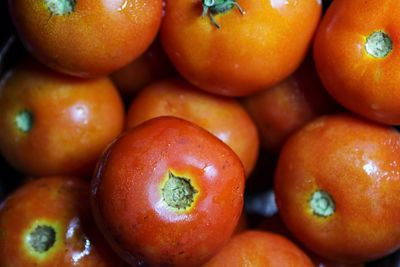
365	85
259	249
57	200
97	38
249	52
222	116
285	107
355	161
127	200
73	120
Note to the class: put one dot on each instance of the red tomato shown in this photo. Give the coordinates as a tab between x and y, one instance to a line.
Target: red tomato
47	222
53	124
86	38
282	109
255	46
259	249
224	117
168	193
337	188
357	58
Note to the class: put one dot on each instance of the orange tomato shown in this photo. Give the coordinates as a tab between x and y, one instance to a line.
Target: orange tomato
222	116
86	38
356	56
254	47
168	193
54	124
48	222
259	249
337	186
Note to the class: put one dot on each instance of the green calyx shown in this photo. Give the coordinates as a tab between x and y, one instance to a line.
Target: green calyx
322	203
178	192
61	7
42	238
24	121
218	7
378	44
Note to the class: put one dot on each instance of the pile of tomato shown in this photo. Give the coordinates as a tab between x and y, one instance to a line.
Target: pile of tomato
200	133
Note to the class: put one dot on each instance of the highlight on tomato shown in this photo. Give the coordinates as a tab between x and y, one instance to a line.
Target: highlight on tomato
167	193
55	124
336	187
237	48
222	116
86	38
47	222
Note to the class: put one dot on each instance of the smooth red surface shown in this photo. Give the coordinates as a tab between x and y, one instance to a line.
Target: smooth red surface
74	119
222	116
99	37
249	52
60	200
356	162
127	198
365	85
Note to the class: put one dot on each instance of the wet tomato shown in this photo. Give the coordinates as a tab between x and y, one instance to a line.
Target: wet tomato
86	38
259	249
337	187
48	222
54	124
356	55
222	116
239	47
168	193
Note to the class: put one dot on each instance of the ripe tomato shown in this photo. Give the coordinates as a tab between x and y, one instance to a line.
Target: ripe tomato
47	222
356	57
86	38
152	65
55	124
337	187
249	52
282	109
224	117
259	249
168	193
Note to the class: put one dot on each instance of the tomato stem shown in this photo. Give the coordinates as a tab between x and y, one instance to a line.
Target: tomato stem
178	192
218	7
378	44
42	238
61	7
24	121
322	203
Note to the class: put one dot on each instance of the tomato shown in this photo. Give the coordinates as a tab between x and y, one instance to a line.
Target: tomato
357	60
167	193
53	124
251	46
86	38
48	222
224	117
337	187
259	249
152	65
282	109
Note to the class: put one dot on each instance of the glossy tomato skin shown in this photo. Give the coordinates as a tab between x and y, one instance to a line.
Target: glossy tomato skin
355	161
259	249
71	120
222	116
364	84
61	203
129	205
285	107
95	39
248	53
